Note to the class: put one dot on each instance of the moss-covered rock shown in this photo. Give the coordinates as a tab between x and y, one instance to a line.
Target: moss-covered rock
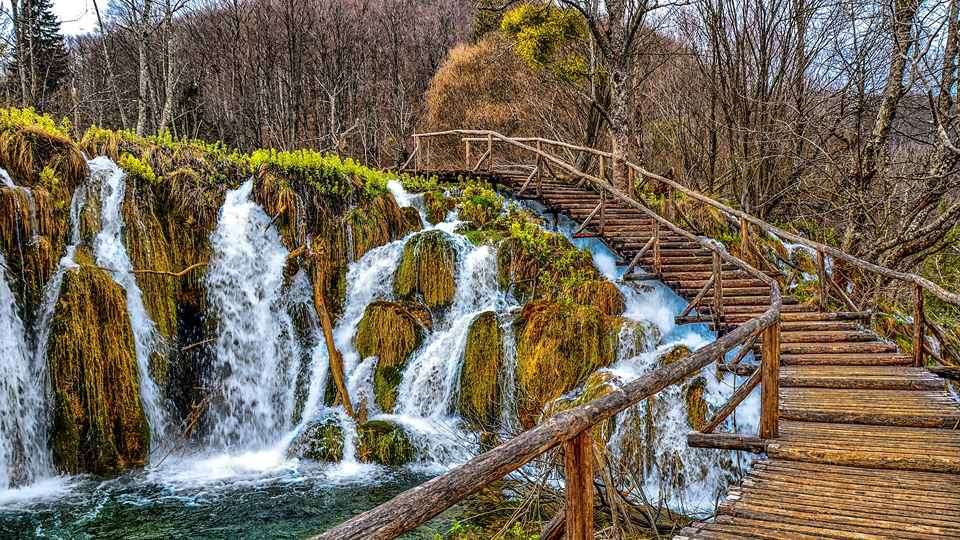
319	441
479	401
390	331
637	337
383	442
602	294
598	384
438	205
696	404
99	425
673	354
427	270
558	346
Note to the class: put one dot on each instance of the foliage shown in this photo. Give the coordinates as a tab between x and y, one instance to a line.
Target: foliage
137	168
544	35
419	184
328	173
479	203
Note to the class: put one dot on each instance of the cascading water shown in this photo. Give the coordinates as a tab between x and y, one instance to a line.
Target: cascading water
23	452
255	341
686	479
111	254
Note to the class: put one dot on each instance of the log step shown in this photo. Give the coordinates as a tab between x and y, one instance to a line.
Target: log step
792	336
843	347
846	359
859	377
904	408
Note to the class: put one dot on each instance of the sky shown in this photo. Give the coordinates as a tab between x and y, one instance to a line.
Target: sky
76	16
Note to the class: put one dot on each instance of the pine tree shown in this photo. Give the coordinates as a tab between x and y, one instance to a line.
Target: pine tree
40	50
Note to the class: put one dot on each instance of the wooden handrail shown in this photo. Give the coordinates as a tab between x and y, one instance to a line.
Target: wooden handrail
571	428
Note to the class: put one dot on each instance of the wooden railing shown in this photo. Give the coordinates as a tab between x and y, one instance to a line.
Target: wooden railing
571	429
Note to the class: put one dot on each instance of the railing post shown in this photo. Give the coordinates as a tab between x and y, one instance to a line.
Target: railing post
717	293
657	261
539	168
603	168
489	150
919	325
603	209
416	153
822	278
745	252
466	153
578	473
770	382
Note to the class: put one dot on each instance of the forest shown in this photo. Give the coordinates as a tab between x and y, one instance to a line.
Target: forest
268	265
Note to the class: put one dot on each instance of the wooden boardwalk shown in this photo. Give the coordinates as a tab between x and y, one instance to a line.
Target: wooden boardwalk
869	445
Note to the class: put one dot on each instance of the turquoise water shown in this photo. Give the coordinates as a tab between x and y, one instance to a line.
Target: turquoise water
295	503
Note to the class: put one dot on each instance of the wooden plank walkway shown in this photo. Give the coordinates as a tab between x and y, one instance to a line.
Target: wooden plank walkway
869	445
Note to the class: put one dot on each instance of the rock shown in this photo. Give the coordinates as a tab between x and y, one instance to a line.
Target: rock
319	441
636	337
390	331
674	354
427	270
558	346
479	401
99	425
696	404
383	442
438	206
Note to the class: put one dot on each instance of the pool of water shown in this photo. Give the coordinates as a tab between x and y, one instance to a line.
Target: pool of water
190	501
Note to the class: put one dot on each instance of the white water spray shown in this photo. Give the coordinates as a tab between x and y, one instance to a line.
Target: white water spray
255	339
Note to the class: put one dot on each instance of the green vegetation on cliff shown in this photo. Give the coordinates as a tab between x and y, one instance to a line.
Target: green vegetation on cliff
479	401
383	442
427	270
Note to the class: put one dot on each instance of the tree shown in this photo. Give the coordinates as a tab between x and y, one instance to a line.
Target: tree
40	57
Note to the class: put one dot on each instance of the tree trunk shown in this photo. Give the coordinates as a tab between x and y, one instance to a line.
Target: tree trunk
335	359
169	77
16	12
106	58
621	125
142	61
902	25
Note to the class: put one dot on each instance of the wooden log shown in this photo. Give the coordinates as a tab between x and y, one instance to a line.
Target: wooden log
727	441
734	401
946	372
918	326
696	300
770	383
554	529
657	259
466	153
578	477
822	279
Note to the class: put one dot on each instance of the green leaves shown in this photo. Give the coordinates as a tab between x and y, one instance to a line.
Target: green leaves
546	37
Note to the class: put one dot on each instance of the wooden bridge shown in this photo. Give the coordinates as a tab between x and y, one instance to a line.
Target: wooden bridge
860	439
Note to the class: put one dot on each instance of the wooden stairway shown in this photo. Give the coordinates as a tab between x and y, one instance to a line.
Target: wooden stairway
869	445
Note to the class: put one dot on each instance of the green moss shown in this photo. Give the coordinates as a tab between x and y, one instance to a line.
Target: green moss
558	347
319	441
419	184
327	173
600	383
99	425
673	355
479	401
383	442
390	331
137	169
427	270
600	293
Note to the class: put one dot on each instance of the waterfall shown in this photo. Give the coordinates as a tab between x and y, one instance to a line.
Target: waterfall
111	254
23	451
255	341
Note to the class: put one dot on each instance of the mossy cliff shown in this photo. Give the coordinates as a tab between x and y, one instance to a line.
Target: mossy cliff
39	155
99	425
319	441
383	442
391	332
479	400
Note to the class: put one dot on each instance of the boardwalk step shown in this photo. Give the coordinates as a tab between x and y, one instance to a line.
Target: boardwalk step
859	377
904	408
830	336
846	359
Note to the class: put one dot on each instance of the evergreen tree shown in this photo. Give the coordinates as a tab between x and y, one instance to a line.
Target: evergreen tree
40	50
